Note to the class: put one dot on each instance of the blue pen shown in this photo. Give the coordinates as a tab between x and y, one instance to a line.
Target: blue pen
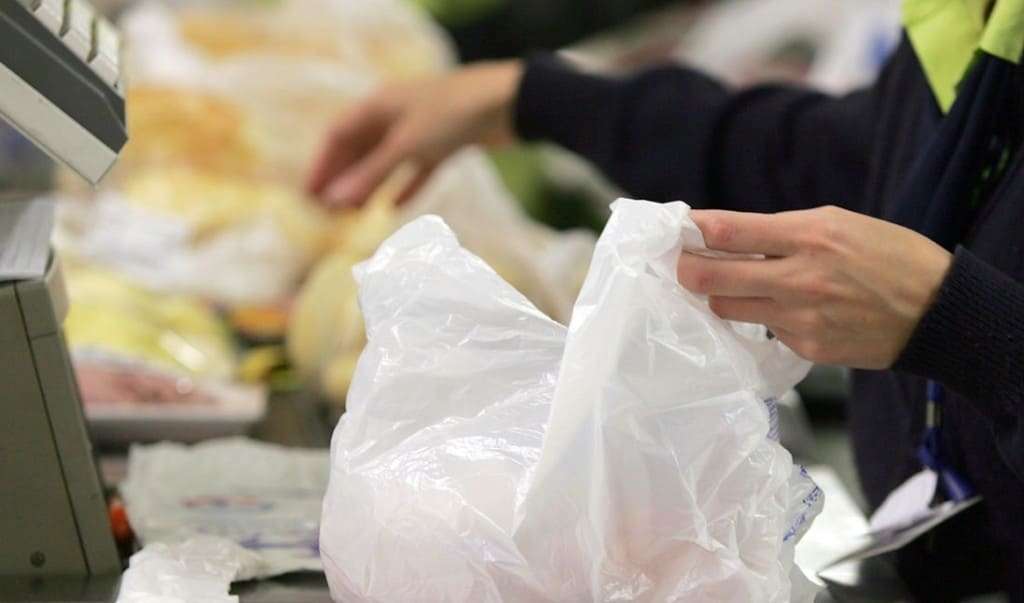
954	485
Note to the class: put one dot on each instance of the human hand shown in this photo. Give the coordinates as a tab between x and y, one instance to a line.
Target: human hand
418	123
835	286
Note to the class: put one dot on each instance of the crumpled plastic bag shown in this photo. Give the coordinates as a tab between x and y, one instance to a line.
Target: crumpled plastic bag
491	454
197	570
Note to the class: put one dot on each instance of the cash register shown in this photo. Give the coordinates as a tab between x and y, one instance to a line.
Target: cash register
60	86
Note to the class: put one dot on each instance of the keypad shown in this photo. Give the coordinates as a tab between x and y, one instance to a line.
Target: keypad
87	34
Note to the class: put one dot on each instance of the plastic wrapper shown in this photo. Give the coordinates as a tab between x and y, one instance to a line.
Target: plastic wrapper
114	316
257	119
228	104
355	36
491	454
274	76
175	127
153	366
265	499
198	570
183	232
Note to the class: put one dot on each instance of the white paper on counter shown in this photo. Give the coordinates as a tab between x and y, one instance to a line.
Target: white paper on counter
263	498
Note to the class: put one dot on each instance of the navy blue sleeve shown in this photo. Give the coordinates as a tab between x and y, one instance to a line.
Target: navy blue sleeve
672	133
972	341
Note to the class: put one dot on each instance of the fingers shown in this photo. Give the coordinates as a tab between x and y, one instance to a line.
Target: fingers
755	310
740	232
789	326
355	185
357	132
729	277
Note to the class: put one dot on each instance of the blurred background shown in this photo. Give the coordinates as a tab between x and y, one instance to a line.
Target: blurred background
209	297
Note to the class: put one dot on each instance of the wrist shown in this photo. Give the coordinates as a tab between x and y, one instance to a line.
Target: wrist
971	338
931	267
498	83
933	274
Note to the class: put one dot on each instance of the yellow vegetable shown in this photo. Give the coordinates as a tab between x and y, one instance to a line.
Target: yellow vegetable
325	333
326	324
112	315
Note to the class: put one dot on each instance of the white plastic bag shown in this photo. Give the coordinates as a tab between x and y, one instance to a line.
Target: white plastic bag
489	454
547	266
326	331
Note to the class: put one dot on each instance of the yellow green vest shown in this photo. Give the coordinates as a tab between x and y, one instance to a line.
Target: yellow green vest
946	35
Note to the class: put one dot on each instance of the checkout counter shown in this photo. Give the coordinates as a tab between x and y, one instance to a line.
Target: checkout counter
300	420
60	86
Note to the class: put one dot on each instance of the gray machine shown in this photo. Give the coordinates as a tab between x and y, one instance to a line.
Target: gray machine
60	86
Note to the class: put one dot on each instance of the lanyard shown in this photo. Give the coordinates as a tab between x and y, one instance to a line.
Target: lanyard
954	485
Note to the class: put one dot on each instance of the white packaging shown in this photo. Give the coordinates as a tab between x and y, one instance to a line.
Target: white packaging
197	570
489	454
259	501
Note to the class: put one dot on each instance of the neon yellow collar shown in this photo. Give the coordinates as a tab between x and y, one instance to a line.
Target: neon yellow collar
946	34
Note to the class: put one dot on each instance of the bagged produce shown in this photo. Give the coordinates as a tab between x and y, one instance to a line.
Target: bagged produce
490	454
113	316
178	127
325	332
228	241
229	102
174	39
152	366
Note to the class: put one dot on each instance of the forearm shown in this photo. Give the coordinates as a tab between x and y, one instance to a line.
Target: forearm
635	130
674	133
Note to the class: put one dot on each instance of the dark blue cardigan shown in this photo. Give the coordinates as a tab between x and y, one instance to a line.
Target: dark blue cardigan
672	133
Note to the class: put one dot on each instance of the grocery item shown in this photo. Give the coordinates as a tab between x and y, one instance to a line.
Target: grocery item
490	454
223	33
326	329
128	401
110	314
325	332
236	242
211	204
351	34
260	323
175	127
152	366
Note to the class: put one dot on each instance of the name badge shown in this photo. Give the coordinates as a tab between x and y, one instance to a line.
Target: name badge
906	514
